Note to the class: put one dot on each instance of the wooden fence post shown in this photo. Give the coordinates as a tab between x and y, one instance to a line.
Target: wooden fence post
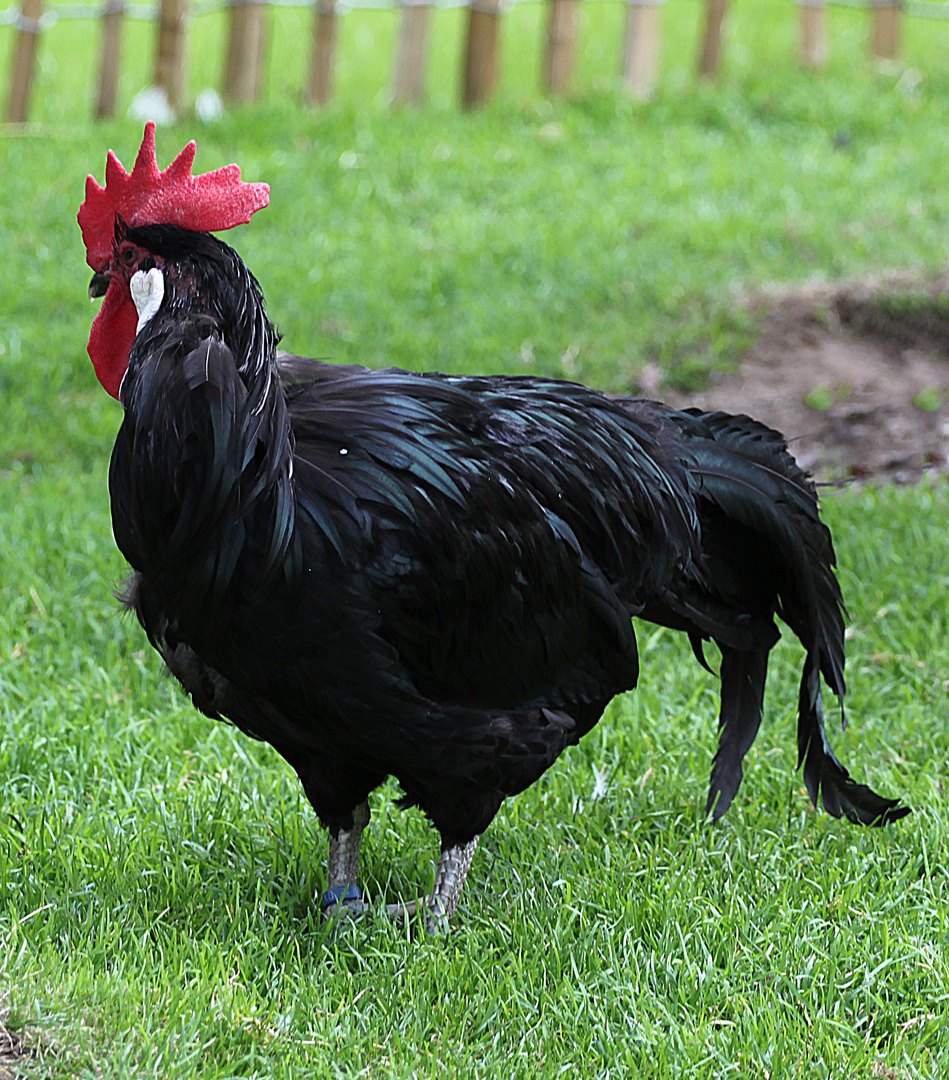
812	36
113	17
24	60
172	43
408	82
247	43
323	53
641	50
561	45
885	29
710	51
481	53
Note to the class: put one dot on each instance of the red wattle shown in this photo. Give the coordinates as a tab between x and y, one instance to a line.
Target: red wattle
112	335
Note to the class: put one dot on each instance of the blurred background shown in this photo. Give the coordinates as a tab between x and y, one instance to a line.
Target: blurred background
625	180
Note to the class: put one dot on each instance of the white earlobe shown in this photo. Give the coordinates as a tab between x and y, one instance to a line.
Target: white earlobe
148	289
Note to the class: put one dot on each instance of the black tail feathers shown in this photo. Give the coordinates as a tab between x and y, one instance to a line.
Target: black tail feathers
767	549
824	776
743	675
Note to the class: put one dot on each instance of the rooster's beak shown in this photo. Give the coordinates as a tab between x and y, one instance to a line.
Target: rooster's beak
99	285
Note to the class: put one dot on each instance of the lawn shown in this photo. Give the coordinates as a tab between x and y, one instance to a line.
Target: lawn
157	870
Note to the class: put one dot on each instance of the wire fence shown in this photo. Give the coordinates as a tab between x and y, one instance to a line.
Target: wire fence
926	9
13	16
246	51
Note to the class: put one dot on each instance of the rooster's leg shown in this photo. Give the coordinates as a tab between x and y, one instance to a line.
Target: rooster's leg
343	893
453	866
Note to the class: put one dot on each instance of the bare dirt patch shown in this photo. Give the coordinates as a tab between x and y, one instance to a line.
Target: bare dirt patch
855	375
14	1054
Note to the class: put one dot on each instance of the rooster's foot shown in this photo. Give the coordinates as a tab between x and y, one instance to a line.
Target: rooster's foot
403	911
453	866
343	898
342	902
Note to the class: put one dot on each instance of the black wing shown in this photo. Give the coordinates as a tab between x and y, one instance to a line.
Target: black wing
507	528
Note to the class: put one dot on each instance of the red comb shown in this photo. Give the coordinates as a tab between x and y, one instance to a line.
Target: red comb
207	203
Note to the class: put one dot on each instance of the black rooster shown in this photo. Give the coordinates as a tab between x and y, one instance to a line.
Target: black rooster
385	573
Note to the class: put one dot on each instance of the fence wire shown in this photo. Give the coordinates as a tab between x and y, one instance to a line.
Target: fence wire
151	12
12	16
926	9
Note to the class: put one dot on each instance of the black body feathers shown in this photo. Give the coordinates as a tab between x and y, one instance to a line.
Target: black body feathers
384	573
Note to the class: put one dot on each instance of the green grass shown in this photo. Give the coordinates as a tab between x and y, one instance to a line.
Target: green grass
157	870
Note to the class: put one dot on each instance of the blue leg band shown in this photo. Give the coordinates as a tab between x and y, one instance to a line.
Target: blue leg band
338	893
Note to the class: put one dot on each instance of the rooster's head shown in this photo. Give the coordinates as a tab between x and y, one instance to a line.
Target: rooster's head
146	196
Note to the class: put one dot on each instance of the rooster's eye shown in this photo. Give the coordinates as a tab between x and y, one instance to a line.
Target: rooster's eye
128	256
